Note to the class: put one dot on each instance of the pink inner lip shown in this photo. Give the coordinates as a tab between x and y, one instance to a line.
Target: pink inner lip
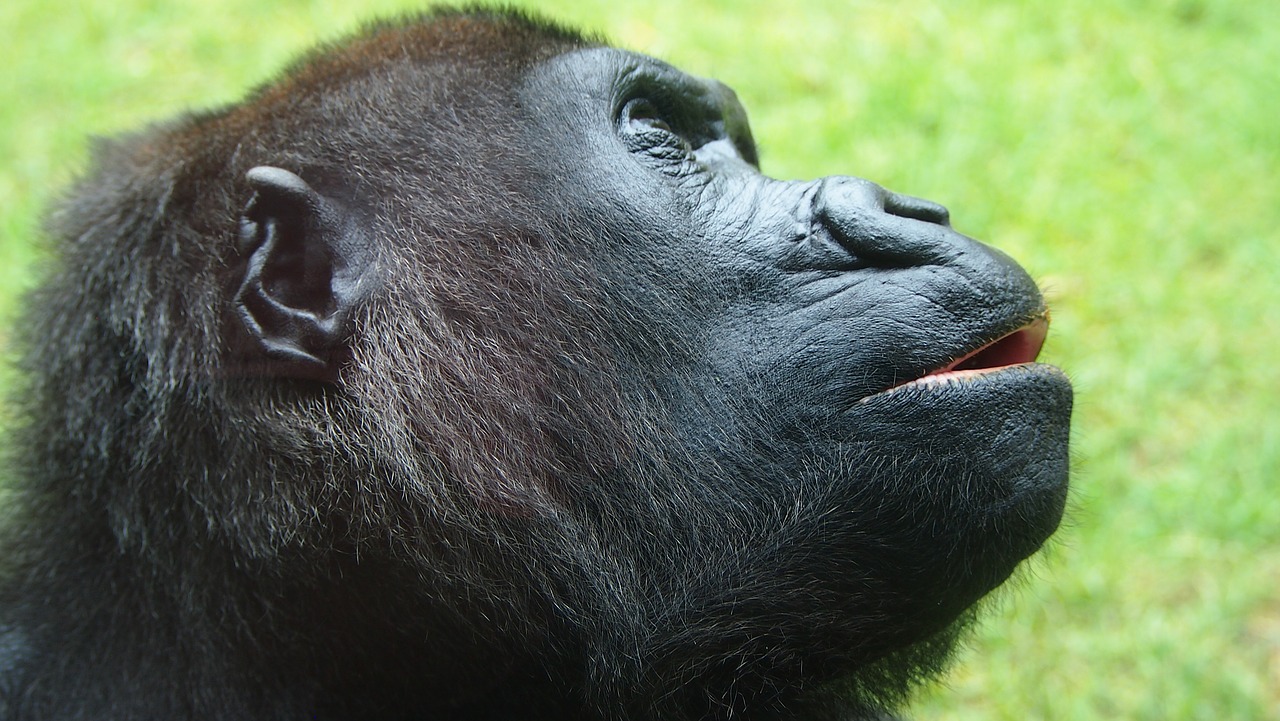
1021	346
1016	348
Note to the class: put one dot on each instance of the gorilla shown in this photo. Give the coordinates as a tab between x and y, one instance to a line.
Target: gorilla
473	370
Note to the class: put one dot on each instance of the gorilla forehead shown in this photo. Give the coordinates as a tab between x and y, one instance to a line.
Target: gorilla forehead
609	75
576	101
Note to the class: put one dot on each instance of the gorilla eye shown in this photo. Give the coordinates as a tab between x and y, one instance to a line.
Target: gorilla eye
646	127
642	114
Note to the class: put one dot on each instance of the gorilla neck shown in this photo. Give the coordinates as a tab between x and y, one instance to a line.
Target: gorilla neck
245	634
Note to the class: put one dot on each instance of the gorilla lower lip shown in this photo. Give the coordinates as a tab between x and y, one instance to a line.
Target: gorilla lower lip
964	381
952	377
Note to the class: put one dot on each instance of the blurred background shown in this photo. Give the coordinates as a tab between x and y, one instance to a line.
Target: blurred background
1128	153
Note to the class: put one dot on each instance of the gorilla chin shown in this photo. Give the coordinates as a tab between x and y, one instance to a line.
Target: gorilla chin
1005	423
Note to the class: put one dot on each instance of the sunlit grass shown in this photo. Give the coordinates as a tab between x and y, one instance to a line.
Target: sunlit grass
1128	153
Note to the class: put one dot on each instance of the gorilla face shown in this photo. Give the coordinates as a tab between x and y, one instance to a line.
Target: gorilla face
848	367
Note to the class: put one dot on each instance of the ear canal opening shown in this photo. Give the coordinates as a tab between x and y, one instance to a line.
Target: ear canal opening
298	276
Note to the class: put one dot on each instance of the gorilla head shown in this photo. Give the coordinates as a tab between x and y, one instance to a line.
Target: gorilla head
474	370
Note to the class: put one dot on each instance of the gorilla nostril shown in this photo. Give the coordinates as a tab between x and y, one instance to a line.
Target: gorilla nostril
907	206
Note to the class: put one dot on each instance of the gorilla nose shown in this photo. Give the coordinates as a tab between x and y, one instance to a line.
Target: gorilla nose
883	228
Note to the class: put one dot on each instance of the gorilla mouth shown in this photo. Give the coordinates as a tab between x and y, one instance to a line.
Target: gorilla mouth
1018	348
1021	346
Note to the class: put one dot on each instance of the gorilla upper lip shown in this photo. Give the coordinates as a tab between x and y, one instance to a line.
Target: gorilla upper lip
1020	347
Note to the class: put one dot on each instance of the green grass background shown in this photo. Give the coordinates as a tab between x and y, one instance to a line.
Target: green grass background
1127	152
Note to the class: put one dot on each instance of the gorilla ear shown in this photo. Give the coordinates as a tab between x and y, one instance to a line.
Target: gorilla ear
308	266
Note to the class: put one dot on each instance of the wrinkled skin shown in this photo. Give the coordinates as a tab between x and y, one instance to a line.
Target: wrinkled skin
474	371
